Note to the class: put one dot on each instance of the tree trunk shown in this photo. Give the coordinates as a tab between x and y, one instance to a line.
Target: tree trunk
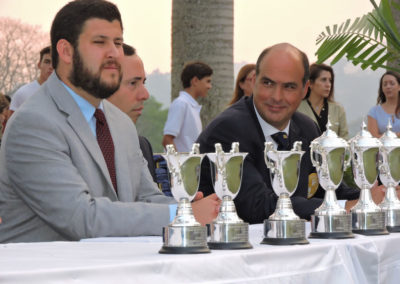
203	30
396	17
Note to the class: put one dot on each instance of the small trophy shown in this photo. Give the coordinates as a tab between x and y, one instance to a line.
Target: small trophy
389	173
184	234
228	231
330	155
284	227
368	218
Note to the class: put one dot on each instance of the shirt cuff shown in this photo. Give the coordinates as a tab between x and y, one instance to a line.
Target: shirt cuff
172	211
342	203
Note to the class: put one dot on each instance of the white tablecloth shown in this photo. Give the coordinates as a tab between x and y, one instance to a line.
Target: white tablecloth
136	260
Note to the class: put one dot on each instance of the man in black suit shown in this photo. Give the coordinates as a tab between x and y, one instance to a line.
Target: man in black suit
281	83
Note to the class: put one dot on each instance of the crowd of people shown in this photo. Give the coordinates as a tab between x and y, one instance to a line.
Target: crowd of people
73	165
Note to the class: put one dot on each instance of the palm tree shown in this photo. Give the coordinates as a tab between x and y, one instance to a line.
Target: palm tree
371	40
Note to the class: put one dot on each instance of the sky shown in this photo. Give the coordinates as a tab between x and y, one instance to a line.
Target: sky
257	24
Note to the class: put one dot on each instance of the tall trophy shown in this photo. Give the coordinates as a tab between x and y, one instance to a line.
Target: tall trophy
389	173
368	218
284	227
228	231
330	155
184	234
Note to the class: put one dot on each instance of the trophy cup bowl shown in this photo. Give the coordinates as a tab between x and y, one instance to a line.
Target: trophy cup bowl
228	231
389	173
368	218
184	234
330	155
284	227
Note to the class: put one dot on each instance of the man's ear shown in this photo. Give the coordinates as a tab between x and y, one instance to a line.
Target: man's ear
194	81
65	51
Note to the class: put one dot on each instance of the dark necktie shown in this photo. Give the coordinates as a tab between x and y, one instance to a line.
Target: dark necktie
282	140
106	144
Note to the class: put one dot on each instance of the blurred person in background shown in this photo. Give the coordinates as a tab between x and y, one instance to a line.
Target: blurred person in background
387	107
27	90
319	103
4	104
244	83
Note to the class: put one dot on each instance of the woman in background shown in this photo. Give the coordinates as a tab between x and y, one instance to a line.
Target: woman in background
319	103
244	84
388	105
4	104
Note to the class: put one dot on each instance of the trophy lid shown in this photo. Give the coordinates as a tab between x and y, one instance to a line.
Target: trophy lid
389	139
329	139
364	139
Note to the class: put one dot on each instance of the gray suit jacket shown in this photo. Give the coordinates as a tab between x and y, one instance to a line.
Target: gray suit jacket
54	182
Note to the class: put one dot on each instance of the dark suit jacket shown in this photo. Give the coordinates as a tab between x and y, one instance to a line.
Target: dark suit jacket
147	151
256	200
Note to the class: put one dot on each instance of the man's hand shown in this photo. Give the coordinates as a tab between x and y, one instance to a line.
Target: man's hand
378	193
350	204
206	209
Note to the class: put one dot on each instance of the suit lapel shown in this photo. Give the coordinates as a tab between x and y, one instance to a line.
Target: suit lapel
294	134
76	120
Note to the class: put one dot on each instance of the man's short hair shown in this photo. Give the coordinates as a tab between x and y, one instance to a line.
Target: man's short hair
69	21
45	50
303	56
194	69
128	50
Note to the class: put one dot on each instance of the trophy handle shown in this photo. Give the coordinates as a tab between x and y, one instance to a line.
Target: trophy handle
269	147
315	163
347	158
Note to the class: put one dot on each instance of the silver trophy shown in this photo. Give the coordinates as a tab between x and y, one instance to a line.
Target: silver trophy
389	173
368	218
184	234
284	227
228	231
330	155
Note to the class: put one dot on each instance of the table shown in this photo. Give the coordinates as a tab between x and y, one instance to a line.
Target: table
136	260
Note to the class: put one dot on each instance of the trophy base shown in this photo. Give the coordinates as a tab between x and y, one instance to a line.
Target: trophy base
393	229
369	223
229	236
337	235
184	240
372	232
285	232
331	227
285	242
392	220
184	250
237	245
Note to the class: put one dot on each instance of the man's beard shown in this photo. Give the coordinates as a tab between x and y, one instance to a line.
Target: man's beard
91	83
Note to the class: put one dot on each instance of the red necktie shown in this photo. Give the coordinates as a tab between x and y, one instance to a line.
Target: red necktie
106	144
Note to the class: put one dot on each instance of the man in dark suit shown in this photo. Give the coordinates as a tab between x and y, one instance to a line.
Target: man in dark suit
281	83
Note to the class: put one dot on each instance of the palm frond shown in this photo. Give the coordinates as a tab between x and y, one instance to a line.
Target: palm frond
369	40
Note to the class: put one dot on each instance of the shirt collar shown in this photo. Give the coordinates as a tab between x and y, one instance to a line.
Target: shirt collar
267	128
86	108
186	96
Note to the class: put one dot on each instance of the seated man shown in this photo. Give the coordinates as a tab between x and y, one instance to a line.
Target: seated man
70	165
130	98
281	83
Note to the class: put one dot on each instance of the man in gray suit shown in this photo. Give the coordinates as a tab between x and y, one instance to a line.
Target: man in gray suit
55	183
